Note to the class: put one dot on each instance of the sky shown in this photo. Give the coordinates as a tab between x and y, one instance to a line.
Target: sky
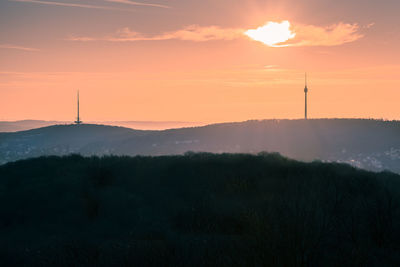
199	61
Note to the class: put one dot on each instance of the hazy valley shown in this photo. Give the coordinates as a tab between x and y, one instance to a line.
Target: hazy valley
369	144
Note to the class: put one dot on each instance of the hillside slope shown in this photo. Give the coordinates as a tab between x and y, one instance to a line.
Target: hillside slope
370	144
196	210
24	125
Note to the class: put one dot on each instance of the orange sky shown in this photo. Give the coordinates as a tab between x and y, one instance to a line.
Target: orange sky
186	60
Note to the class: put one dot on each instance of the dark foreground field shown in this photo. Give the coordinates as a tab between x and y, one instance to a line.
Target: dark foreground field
196	210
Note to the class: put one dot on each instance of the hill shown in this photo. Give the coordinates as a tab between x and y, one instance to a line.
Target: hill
196	210
370	144
63	139
24	125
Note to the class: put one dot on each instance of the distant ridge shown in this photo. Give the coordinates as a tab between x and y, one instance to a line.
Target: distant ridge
22	125
369	144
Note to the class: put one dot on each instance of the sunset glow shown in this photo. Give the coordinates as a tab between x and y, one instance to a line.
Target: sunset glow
272	33
199	133
186	60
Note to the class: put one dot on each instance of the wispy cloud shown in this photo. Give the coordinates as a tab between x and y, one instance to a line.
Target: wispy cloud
370	25
191	33
334	35
134	3
17	47
300	35
69	4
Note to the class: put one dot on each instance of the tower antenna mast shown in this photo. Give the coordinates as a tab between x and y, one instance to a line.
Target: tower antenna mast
78	119
305	93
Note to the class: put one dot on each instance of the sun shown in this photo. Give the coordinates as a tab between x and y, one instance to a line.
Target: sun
272	33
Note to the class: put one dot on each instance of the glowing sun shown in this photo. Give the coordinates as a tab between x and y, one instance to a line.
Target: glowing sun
272	33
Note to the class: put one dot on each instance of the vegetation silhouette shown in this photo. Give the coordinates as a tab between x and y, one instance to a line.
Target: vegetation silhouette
197	209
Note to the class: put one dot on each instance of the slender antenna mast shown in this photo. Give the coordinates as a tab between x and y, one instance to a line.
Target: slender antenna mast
78	120
305	75
305	93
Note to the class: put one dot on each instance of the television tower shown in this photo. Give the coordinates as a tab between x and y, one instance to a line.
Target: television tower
78	119
305	92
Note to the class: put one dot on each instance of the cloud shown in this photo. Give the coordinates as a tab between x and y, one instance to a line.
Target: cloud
17	47
370	25
133	3
191	33
273	34
334	35
68	4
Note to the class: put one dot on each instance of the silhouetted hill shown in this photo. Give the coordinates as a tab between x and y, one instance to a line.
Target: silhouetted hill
24	125
196	210
370	144
64	139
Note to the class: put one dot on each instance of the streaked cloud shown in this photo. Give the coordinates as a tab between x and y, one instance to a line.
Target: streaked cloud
51	3
273	34
17	47
191	33
134	3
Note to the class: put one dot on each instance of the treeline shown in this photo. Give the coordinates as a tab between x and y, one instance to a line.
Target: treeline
196	210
